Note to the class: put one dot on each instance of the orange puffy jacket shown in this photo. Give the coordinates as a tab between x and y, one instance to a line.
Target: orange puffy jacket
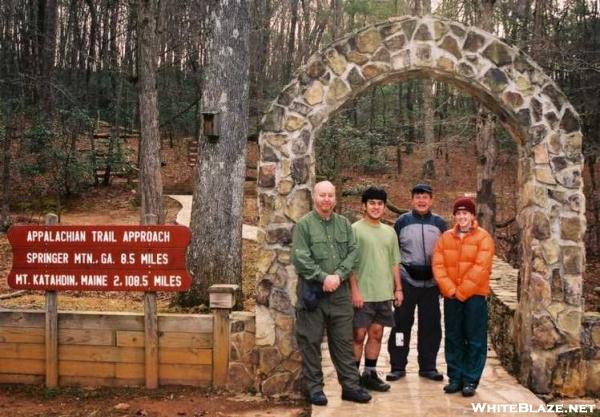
462	267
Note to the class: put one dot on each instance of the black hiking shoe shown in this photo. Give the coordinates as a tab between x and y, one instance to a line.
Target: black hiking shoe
371	381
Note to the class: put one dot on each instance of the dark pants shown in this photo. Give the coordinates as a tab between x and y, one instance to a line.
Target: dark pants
429	331
334	314
466	338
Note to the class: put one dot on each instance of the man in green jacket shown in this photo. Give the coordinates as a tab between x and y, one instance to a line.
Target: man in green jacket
323	252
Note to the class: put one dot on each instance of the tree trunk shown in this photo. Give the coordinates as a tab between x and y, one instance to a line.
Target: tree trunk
50	19
151	187
215	253
428	167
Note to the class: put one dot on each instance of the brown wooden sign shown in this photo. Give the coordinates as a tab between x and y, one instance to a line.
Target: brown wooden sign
99	258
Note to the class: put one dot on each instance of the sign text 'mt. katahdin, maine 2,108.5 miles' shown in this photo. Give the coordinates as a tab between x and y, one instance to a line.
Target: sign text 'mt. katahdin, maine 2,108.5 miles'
99	258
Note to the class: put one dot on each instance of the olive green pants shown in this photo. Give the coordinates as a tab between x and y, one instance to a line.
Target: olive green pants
333	314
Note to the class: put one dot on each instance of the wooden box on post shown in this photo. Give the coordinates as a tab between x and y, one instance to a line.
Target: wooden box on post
222	299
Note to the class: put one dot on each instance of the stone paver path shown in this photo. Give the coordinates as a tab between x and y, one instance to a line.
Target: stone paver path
416	396
183	217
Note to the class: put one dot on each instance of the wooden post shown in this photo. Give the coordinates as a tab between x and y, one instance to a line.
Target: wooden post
150	328
51	332
222	299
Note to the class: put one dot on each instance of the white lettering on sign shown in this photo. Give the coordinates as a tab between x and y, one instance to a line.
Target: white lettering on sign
47	258
154	258
103	236
83	258
54	279
146	236
21	279
136	280
56	236
94	280
106	258
167	281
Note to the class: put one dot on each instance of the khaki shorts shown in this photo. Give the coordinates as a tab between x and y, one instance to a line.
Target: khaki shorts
380	312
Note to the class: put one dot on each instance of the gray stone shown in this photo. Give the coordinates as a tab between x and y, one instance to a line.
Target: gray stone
276	383
268	154
285	186
357	57
269	358
301	169
576	202
263	291
556	286
474	42
445	64
300	144
288	94
537	134
336	62
337	91
273	120
550	251
572	260
572	145
423	34
368	41
557	98
374	69
545	333
496	80
573	289
298	204
449	44
300	108
540	226
409	28
294	122
457	30
382	55
558	163
395	42
498	53
239	378
315	68
439	30
554	144
524	117
354	78
551	120
521	64
569	177
266	175
423	53
570	121
279	234
280	301
537	109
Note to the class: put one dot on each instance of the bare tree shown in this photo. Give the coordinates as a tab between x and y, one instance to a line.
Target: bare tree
215	253
151	186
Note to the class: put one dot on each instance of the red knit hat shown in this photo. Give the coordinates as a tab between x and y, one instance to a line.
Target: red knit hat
464	203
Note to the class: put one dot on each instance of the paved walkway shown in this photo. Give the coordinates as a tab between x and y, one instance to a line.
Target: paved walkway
183	217
416	396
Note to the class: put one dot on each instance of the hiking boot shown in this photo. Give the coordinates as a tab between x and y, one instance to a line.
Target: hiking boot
357	395
434	375
452	387
395	375
468	390
371	381
318	398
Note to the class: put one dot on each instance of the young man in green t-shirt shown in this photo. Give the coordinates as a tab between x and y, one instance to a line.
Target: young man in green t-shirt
375	284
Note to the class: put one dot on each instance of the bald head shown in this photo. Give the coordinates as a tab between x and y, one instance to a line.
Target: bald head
324	198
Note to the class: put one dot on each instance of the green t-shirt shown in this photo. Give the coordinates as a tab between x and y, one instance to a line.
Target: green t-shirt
378	252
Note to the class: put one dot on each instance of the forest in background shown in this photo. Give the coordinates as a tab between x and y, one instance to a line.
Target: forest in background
67	64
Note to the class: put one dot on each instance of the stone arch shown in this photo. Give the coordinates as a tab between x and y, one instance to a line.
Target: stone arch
550	200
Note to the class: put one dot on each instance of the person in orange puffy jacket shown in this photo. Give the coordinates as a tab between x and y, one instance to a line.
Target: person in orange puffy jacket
462	263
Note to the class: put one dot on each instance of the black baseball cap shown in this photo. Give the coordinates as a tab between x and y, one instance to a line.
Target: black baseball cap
422	188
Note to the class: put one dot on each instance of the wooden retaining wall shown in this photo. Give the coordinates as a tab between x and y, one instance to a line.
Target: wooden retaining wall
107	349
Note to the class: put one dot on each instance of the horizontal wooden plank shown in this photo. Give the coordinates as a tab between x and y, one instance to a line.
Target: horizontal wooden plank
21	335
190	323
96	337
22	351
100	354
89	381
100	320
130	339
185	340
21	379
130	371
22	318
23	366
80	368
183	356
184	372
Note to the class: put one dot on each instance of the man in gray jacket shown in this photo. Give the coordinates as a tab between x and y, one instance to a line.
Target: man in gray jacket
418	231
